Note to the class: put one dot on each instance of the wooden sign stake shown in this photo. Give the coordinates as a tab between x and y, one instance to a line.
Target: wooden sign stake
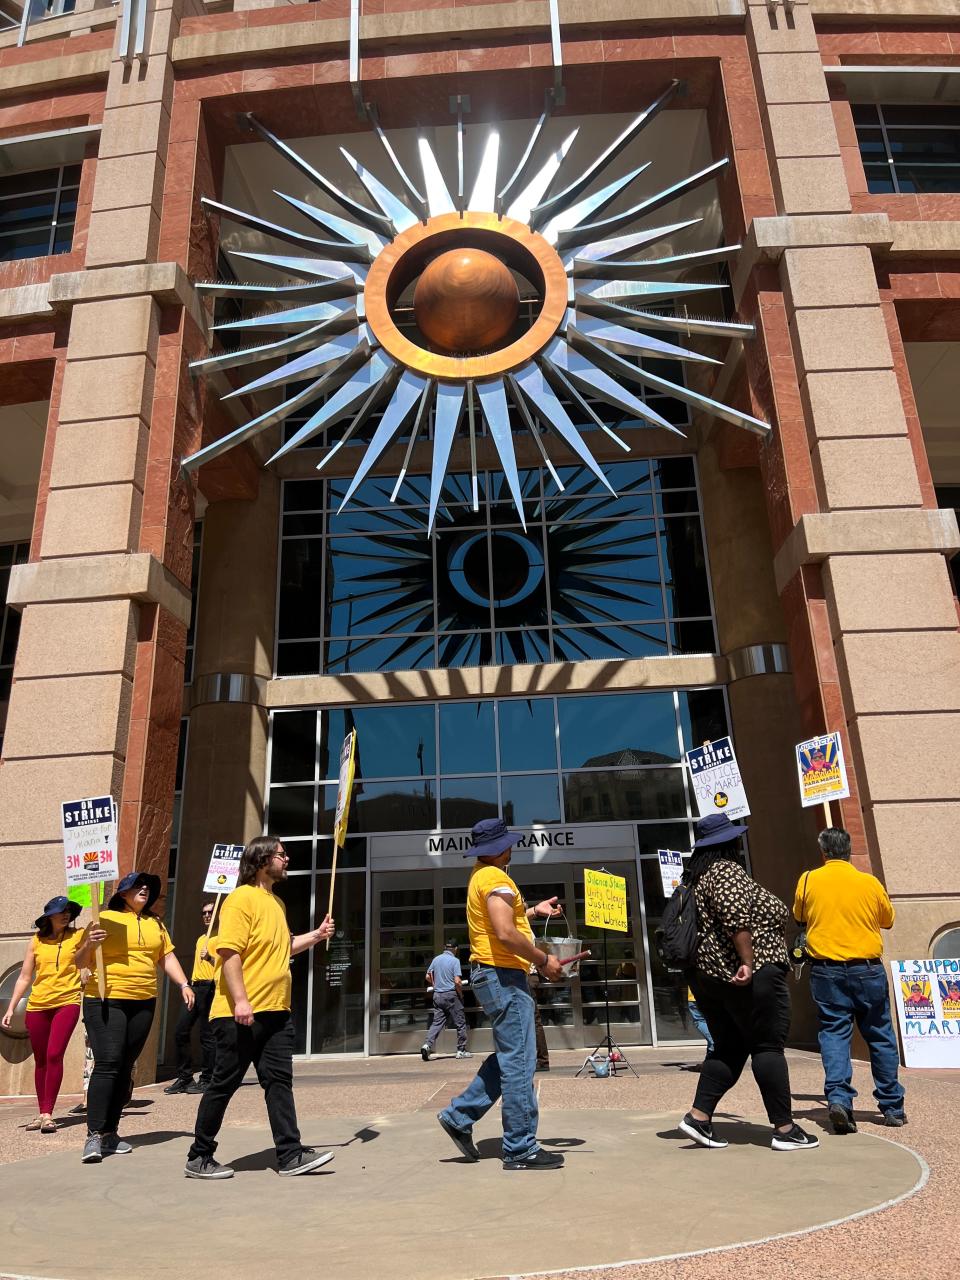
95	912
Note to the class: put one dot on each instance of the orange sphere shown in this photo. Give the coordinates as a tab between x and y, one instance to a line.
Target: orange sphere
466	301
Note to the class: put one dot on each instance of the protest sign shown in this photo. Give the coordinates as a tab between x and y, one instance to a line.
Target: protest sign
224	868
821	772
717	784
605	900
927	994
90	856
348	764
671	869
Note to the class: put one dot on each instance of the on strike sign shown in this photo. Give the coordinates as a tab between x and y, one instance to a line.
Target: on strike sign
89	840
717	784
224	868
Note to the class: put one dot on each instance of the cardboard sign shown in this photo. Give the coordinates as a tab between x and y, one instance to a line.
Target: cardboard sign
671	869
927	993
348	761
821	771
717	784
89	840
605	900
224	868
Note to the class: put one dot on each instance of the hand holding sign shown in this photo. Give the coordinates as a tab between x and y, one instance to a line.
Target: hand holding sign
89	830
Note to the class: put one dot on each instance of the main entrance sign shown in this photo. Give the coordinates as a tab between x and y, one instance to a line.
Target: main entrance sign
348	344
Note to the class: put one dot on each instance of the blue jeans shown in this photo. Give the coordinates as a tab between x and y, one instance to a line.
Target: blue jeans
856	994
508	1071
700	1022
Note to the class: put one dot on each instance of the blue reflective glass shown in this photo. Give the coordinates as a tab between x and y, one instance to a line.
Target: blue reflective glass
626	794
464	801
531	799
467	738
392	653
377	585
294	746
392	742
703	716
573	644
527	734
291	811
519	646
617	730
470	649
392	806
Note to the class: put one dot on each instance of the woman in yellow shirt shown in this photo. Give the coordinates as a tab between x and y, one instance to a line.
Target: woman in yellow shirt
53	1007
134	943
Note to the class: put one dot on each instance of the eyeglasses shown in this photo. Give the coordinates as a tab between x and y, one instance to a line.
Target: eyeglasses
284	857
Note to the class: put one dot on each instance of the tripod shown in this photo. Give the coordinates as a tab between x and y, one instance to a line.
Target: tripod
607	1042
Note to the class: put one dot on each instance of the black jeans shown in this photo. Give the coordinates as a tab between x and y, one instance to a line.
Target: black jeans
543	1053
117	1031
184	1034
746	1022
268	1045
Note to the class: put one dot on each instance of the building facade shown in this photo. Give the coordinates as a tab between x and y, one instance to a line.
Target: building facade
197	641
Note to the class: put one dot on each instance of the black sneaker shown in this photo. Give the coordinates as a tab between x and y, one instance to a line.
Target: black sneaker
894	1119
195	1087
425	1052
206	1167
701	1131
463	1138
841	1118
539	1160
305	1162
795	1140
179	1086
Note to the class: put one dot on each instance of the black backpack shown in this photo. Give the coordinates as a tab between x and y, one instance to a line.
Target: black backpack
676	939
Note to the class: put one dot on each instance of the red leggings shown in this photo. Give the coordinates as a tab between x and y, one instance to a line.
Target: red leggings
50	1031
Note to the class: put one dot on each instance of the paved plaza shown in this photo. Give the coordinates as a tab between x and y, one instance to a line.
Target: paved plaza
634	1198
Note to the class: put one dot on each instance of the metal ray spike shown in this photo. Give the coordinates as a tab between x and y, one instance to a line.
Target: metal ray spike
450	396
382	386
493	402
423	415
346	398
268	350
293	317
590	205
483	197
520	172
472	425
600	249
681	324
622	368
412	191
329	248
308	268
324	357
395	209
438	197
349	231
628	342
587	374
409	390
265	292
376	221
563	199
523	203
569	388
460	198
636	268
529	378
599	230
518	399
254	426
594	295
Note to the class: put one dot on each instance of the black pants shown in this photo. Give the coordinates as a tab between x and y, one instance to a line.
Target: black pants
746	1022
184	1034
117	1031
543	1053
268	1045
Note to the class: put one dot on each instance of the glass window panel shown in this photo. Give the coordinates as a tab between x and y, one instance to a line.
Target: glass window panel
387	807
11	634
624	795
531	799
703	716
652	836
519	576
301	564
879	178
392	742
467	738
678	502
931	179
300	853
692	637
527	734
471	649
669	986
463	578
307	524
293	756
378	585
299	659
295	895
864	113
924	145
562	510
361	520
872	146
521	646
291	811
675	473
618	730
303	495
338	1016
390	653
573	643
352	855
685	568
928	116
464	801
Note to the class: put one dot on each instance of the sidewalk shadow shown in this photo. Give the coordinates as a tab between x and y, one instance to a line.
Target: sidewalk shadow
257	1161
737	1132
158	1136
492	1148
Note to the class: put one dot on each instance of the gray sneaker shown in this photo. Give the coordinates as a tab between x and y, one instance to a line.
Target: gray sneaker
305	1162
206	1167
464	1053
92	1152
111	1144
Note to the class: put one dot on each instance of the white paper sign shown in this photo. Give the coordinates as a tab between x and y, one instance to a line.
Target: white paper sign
716	779
927	993
89	840
820	770
224	868
671	869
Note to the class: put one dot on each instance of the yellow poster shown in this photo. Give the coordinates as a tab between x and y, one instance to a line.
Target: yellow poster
605	900
348	760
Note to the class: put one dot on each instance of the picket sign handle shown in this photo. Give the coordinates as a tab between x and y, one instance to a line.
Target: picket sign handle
95	912
333	878
826	813
213	921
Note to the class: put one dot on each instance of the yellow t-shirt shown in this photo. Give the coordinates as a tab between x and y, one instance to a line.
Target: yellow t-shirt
485	947
203	969
253	922
56	979
845	910
132	949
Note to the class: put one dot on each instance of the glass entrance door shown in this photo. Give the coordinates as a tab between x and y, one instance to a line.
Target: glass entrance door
414	914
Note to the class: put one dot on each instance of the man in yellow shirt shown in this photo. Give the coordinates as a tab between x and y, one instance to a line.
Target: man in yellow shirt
844	911
201	979
502	950
250	1013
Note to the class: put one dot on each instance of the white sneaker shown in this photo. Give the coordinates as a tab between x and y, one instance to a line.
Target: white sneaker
464	1053
425	1052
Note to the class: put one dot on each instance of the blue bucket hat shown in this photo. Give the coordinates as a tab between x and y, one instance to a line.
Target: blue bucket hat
56	905
716	828
491	837
130	881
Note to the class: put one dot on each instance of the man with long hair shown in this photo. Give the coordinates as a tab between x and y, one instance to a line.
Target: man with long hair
250	1014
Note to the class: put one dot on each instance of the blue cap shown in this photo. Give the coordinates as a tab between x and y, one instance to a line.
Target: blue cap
716	828
491	837
130	881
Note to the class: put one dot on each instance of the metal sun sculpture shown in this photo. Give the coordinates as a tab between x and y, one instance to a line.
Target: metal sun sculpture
461	257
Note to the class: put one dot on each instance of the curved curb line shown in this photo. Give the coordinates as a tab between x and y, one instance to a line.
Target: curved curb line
594	1267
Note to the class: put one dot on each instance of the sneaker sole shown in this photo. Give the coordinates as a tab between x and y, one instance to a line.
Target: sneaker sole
208	1177
128	1151
716	1144
840	1121
307	1168
464	1145
521	1168
776	1145
92	1159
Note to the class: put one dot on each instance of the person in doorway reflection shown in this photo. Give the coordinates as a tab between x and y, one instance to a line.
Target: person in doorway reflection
444	976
